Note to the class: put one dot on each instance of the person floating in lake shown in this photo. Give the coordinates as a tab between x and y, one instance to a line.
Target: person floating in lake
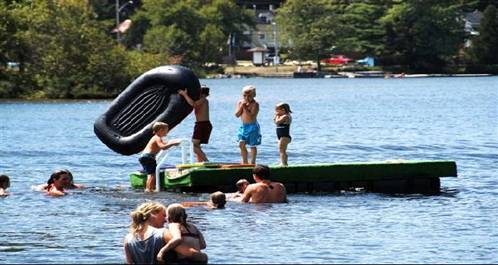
67	184
183	233
203	127
148	157
283	119
249	133
4	185
264	190
148	236
217	200
241	185
57	182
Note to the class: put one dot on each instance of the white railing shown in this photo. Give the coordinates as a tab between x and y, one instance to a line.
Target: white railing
187	154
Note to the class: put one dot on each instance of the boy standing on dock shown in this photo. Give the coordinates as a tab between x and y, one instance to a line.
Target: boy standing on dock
203	127
148	157
249	133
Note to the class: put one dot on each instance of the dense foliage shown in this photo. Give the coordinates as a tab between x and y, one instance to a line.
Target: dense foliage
66	48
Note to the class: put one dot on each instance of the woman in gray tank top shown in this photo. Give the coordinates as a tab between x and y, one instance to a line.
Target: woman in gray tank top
147	236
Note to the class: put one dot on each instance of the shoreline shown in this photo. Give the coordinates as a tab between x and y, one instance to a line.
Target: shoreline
245	69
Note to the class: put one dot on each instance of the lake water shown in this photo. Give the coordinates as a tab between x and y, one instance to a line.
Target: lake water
334	120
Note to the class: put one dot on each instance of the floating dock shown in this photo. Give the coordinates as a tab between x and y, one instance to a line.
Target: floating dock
397	176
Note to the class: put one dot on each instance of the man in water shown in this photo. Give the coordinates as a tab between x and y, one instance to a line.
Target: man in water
264	190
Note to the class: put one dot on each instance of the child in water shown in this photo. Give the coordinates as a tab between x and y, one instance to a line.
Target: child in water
4	185
148	157
249	132
283	119
183	233
217	200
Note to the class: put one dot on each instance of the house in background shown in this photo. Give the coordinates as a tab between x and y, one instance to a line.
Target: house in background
265	36
472	23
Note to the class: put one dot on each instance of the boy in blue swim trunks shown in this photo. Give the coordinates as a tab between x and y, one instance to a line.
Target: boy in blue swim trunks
249	133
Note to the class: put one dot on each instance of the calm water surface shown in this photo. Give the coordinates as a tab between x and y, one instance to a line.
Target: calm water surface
334	120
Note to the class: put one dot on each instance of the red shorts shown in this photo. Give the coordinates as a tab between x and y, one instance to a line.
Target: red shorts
202	131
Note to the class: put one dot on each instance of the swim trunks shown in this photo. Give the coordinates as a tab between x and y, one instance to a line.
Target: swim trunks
148	162
202	131
283	131
250	133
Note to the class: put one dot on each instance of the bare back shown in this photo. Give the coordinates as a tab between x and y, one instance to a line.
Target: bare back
277	192
153	146
257	193
201	109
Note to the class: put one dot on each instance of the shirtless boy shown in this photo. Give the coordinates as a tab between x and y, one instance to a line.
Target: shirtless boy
203	127
249	133
148	157
264	190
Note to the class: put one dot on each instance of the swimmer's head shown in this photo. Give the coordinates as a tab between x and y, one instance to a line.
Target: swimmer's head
4	181
143	213
261	171
242	185
176	213
218	199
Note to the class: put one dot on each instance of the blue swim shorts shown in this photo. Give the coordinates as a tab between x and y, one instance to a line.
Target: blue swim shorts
250	133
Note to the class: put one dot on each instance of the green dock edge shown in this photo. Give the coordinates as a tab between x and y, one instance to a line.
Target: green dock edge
310	173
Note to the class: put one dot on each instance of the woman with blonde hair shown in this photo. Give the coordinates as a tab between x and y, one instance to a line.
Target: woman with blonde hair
147	236
184	234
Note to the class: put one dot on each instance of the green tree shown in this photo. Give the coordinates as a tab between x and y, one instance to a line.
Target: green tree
365	33
68	55
191	30
425	35
231	19
312	28
485	46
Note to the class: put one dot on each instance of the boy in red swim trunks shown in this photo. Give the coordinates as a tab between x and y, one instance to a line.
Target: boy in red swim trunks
203	127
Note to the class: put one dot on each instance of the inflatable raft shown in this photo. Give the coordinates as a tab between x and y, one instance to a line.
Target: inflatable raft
126	126
397	176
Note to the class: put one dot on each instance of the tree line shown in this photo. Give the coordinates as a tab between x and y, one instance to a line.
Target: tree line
66	48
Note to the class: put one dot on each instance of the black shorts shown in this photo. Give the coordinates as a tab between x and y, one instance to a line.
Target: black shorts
148	162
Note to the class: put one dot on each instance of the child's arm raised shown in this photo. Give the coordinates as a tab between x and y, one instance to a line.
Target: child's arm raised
189	100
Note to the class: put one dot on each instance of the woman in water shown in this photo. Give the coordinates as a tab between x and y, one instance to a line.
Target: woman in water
147	236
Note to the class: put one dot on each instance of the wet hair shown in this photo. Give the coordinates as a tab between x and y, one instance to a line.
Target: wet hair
249	88
284	106
204	90
262	171
4	181
218	199
241	182
158	126
58	174
177	214
142	213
